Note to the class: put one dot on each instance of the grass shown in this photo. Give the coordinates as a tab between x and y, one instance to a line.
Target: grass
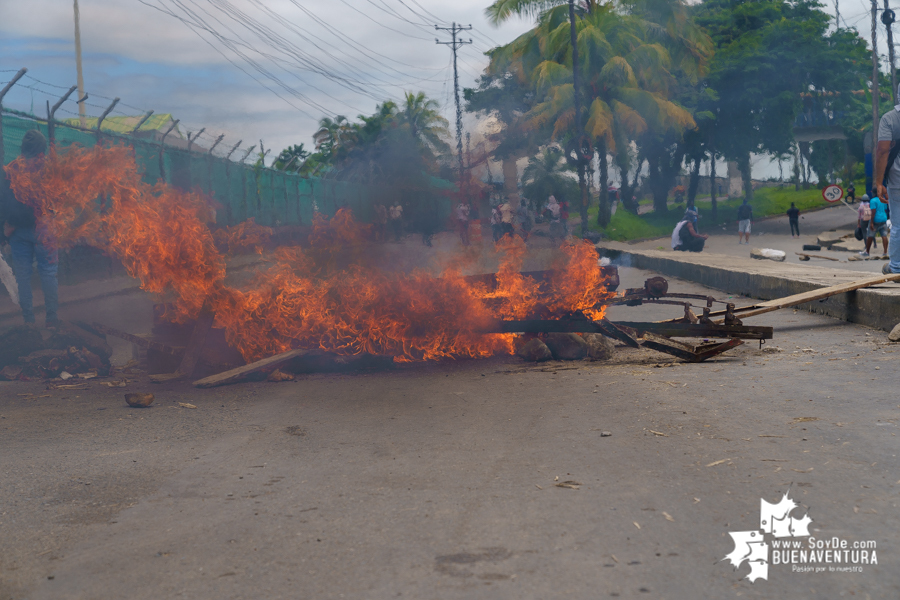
766	202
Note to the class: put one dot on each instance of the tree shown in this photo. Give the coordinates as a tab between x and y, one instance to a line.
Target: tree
629	78
769	52
420	116
548	174
291	159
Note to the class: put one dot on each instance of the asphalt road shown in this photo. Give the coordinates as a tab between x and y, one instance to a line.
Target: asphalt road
439	480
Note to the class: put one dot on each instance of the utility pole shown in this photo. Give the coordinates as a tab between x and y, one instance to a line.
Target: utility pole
874	74
81	113
579	131
888	17
837	16
456	45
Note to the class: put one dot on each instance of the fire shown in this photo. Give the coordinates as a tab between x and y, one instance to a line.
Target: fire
327	296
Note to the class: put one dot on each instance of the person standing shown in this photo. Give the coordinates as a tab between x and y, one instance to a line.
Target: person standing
28	237
887	180
554	210
396	214
462	218
564	216
745	216
507	214
878	223
526	222
496	224
863	216
851	193
381	220
793	214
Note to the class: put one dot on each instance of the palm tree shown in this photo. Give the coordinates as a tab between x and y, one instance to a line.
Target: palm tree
421	118
331	133
548	174
503	10
626	66
291	159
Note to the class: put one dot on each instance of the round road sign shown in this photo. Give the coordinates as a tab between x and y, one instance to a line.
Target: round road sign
833	193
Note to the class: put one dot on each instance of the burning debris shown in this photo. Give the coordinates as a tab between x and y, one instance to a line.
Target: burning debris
68	351
327	297
328	304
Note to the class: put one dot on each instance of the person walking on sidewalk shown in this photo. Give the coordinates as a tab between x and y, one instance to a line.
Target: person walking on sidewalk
28	237
878	223
887	178
744	215
863	216
793	214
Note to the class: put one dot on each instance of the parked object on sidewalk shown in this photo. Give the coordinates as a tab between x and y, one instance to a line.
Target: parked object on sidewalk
768	254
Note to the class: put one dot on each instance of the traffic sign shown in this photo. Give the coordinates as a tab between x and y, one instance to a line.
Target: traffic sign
833	193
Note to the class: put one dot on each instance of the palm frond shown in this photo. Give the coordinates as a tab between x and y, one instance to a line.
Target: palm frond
503	10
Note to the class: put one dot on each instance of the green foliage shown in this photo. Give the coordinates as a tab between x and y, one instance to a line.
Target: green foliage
769	201
768	53
548	174
291	159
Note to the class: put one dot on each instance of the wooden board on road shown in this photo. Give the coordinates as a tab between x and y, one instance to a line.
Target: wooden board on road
810	296
235	375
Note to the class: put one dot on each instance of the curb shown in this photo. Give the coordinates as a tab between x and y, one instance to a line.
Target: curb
878	307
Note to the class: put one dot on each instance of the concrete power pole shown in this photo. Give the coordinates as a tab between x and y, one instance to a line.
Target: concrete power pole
456	45
81	113
888	17
874	76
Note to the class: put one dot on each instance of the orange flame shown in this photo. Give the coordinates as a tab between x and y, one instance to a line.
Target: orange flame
326	296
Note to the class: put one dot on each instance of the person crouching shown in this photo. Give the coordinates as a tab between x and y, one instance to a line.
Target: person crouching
685	237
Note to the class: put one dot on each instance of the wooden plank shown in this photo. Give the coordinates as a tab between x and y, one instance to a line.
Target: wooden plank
664	344
235	375
611	330
196	343
811	296
817	256
682	329
706	353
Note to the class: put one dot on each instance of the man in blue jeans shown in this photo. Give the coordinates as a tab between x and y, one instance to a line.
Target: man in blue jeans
20	229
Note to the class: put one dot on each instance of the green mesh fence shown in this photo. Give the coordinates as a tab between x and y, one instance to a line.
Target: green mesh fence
273	198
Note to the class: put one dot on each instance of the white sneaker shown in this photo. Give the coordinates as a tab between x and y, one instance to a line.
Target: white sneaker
864	253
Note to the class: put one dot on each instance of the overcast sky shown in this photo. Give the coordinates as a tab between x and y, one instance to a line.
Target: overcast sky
251	69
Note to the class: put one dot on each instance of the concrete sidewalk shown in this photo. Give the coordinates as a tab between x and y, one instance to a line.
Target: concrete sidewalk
775	233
